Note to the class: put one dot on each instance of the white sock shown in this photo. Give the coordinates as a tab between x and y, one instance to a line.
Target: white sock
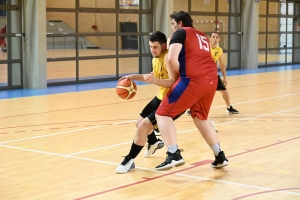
216	148
172	148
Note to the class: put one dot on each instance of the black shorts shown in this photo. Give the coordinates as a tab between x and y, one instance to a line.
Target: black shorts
221	85
150	109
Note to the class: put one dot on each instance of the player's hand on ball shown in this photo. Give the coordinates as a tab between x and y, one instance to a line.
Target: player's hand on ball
149	78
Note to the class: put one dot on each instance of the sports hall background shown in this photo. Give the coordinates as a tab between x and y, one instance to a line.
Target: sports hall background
53	42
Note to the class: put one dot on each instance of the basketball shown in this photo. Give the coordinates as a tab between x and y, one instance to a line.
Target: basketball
126	89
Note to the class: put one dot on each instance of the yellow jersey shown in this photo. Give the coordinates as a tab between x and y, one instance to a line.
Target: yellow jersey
160	71
216	52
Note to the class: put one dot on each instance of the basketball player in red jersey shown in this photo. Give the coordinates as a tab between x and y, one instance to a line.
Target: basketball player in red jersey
193	81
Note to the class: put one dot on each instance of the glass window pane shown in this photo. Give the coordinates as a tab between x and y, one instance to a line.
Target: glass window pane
128	66
274	8
180	5
261	57
273	41
60	22
273	24
204	6
235	6
262	7
94	23
10	2
290	8
296	57
3	74
235	24
61	71
15	70
96	4
58	47
289	42
235	42
98	68
282	40
129	44
205	24
275	56
12	48
129	4
262	24
98	46
223	6
296	41
262	41
60	4
223	23
233	60
10	23
146	23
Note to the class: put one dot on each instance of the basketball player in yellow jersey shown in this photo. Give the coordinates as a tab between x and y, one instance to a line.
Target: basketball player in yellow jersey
217	54
146	122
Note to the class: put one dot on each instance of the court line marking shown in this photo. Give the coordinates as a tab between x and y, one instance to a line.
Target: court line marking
188	130
64	132
193	165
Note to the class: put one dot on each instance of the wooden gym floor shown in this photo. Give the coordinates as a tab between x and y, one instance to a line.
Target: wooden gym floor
68	145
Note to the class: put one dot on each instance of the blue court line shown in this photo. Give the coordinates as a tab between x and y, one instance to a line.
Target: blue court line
17	93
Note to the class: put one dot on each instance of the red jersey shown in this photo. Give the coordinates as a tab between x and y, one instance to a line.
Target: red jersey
195	56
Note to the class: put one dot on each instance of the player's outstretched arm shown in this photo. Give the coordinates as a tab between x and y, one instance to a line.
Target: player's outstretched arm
135	77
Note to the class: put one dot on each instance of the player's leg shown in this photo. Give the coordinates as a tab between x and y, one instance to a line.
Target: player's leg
154	143
180	94
206	128
174	158
222	88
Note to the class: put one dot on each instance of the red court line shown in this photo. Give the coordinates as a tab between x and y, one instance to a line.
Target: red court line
132	101
197	164
194	165
257	193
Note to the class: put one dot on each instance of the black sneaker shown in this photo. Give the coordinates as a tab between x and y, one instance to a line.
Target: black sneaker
220	161
172	160
188	113
232	110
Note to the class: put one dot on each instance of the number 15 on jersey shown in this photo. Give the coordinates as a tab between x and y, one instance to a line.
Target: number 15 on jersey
203	44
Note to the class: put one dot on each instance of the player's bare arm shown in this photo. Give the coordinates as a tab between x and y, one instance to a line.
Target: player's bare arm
135	77
223	68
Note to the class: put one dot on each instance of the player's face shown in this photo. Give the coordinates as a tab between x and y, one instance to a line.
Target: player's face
156	49
175	26
214	39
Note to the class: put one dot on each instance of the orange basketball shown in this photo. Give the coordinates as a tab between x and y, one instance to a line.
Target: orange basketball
126	89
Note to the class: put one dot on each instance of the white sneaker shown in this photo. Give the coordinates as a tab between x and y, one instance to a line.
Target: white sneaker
125	166
152	148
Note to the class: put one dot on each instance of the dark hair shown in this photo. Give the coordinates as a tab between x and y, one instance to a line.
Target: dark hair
158	37
184	17
214	32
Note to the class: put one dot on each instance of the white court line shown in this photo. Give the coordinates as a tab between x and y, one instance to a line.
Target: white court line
290	114
48	135
264	99
188	130
59	133
147	169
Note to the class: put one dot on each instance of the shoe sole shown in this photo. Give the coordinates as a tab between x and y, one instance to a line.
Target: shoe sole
225	163
170	166
231	112
132	167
